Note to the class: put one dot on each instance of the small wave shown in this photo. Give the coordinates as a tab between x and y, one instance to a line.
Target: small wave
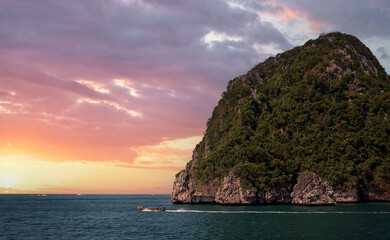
269	212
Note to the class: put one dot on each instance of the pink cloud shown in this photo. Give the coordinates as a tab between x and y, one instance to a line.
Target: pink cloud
51	49
288	13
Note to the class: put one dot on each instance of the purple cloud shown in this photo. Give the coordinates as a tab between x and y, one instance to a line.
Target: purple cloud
114	75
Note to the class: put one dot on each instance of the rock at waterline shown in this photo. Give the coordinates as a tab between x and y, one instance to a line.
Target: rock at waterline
312	190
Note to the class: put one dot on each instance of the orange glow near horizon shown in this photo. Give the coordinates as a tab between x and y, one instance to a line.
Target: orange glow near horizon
21	173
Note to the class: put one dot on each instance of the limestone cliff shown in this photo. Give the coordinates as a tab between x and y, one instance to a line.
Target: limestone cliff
349	195
321	108
228	192
312	190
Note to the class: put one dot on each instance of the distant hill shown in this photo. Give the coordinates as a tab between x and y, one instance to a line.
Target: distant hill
321	109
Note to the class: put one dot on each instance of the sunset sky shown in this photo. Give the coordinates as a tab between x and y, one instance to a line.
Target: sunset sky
112	96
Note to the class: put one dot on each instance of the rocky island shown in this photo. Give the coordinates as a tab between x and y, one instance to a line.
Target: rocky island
309	126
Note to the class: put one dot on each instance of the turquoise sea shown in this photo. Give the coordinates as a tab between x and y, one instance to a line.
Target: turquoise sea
117	217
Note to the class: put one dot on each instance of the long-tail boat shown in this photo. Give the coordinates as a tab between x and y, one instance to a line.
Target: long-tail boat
159	209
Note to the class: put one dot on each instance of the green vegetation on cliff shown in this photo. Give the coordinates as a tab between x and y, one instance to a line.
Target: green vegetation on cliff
323	107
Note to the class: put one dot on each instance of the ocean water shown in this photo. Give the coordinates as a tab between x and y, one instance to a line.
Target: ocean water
117	217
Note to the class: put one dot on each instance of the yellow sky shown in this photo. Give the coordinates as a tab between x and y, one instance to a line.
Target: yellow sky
152	172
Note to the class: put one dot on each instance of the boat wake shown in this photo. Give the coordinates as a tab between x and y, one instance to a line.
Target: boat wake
268	212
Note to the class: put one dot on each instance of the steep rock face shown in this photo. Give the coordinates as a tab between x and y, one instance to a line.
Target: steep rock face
228	192
278	195
185	191
231	192
181	192
312	190
372	196
350	195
